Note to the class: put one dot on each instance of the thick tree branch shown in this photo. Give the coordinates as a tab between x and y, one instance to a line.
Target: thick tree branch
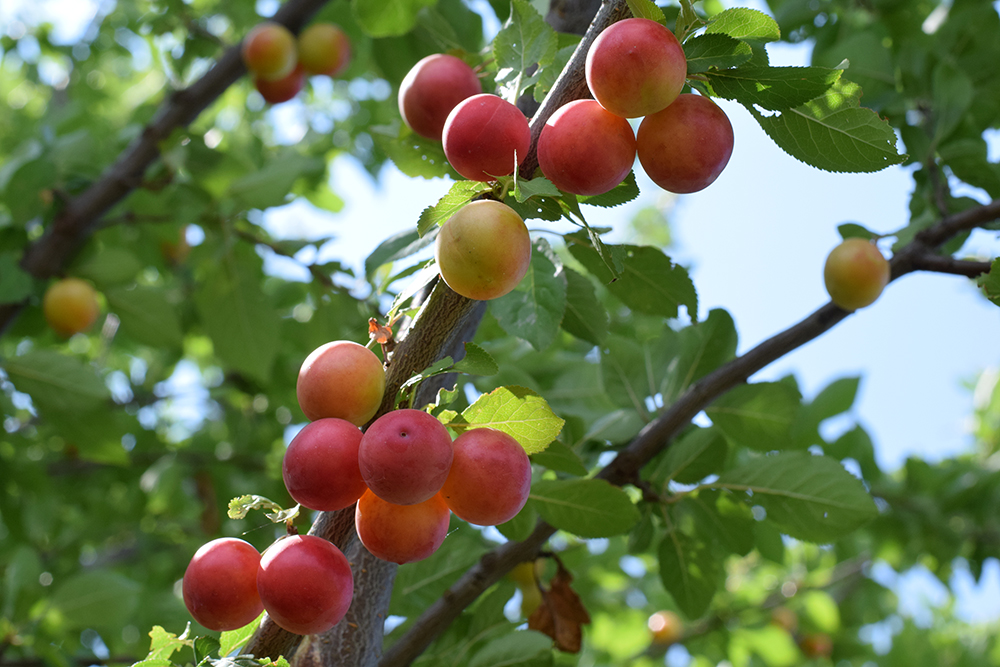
81	216
658	434
945	264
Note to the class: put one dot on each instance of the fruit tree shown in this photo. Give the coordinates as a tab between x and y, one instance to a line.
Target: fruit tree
511	434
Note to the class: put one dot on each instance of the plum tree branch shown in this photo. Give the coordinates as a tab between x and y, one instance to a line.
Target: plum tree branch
80	216
658	434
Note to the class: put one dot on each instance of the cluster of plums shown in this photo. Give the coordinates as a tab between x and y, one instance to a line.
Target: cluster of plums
279	62
404	473
635	68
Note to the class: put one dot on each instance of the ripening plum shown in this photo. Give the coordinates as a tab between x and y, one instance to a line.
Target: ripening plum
220	584
482	135
490	477
269	51
305	584
855	273
636	67
431	89
283	89
686	146
405	456
70	306
401	533
320	467
341	379
585	149
484	250
324	48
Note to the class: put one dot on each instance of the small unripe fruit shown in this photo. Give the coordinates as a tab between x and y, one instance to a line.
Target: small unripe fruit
855	273
431	89
636	67
269	51
482	136
320	467
490	477
665	627
484	250
305	584
324	48
220	584
281	90
70	306
685	147
405	456
401	533
341	379
585	149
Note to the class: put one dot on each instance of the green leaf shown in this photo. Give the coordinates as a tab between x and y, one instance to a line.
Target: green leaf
990	283
521	526
811	498
536	187
775	88
703	347
726	523
534	309
96	599
418	585
238	316
516	411
525	648
584	507
856	444
415	156
476	361
458	196
241	506
399	245
953	93
15	283
108	267
834	133
758	416
525	40
689	572
562	458
389	17
622	193
745	23
836	398
270	185
770	544
56	381
631	371
646	9
164	644
585	316
231	640
146	315
650	283
700	453
716	51
850	230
